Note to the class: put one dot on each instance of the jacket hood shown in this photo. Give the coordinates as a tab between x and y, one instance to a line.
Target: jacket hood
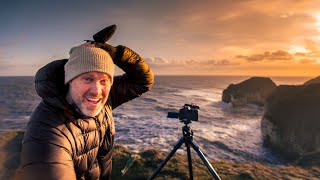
49	84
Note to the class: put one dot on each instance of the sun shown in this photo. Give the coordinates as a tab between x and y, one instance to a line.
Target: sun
317	23
298	49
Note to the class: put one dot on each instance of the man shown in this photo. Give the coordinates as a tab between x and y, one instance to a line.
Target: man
71	132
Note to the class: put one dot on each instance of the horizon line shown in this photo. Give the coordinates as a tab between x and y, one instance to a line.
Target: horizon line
191	75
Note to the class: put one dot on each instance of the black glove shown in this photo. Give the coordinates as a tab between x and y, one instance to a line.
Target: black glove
107	47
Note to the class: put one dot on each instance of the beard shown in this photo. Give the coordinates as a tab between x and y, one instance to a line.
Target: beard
88	105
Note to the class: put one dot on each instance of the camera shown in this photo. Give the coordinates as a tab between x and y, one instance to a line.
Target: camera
186	114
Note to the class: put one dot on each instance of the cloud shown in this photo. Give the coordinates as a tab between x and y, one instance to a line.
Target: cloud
164	61
222	62
188	29
301	54
156	60
278	55
182	32
307	61
246	21
312	45
164	66
312	54
205	29
307	55
310	57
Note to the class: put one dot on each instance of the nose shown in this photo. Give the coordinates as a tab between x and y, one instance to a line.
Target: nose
96	89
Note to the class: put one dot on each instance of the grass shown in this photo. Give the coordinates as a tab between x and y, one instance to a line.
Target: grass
176	168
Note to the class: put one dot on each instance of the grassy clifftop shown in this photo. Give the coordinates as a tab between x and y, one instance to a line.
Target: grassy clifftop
177	167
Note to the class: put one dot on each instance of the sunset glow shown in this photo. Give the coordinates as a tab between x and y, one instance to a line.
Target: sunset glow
317	23
265	38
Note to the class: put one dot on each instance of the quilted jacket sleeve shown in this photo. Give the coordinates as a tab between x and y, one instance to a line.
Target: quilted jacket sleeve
46	153
138	77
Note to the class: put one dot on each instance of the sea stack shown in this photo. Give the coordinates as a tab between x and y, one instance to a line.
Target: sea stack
251	91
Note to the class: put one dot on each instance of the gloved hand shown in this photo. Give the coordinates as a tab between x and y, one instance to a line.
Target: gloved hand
107	47
116	53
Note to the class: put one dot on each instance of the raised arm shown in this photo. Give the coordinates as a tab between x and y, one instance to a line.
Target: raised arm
138	77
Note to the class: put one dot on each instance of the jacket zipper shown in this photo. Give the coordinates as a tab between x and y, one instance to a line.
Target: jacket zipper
98	128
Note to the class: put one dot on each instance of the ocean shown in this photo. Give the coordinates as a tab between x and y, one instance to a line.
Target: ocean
222	132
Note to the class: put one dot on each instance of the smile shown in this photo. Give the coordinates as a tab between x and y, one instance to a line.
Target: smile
93	100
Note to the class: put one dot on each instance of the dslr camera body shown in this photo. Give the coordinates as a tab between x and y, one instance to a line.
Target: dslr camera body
186	114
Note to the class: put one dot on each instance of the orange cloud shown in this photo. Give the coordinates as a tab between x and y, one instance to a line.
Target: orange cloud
279	55
313	46
222	62
307	61
164	61
156	60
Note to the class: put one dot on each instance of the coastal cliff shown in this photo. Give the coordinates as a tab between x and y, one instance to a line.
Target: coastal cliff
315	80
290	124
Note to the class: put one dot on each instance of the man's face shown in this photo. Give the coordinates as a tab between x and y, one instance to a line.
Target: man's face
90	92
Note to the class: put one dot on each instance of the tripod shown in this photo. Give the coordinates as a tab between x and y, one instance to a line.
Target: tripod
187	138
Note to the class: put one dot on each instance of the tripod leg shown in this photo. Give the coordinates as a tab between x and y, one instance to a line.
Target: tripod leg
176	147
189	159
204	159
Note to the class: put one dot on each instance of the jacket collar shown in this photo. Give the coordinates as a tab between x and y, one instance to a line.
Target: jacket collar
49	84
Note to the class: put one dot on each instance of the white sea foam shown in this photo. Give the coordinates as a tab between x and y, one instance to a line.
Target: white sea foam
224	132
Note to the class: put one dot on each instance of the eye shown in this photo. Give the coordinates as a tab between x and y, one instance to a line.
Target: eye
104	81
87	79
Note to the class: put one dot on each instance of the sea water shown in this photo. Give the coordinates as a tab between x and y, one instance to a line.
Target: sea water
222	132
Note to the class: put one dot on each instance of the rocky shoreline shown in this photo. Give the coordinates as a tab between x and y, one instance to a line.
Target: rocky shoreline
177	167
290	123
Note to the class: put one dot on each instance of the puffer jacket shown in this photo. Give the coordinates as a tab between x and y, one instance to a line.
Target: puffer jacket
61	144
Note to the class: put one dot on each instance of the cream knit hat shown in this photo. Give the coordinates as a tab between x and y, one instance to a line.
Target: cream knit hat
85	59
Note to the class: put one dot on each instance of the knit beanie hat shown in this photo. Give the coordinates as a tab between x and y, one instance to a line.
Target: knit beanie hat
85	59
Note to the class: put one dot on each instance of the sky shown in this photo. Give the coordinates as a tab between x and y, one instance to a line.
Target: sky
175	37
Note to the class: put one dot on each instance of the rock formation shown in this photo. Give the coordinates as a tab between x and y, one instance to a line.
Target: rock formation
251	91
291	121
313	81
